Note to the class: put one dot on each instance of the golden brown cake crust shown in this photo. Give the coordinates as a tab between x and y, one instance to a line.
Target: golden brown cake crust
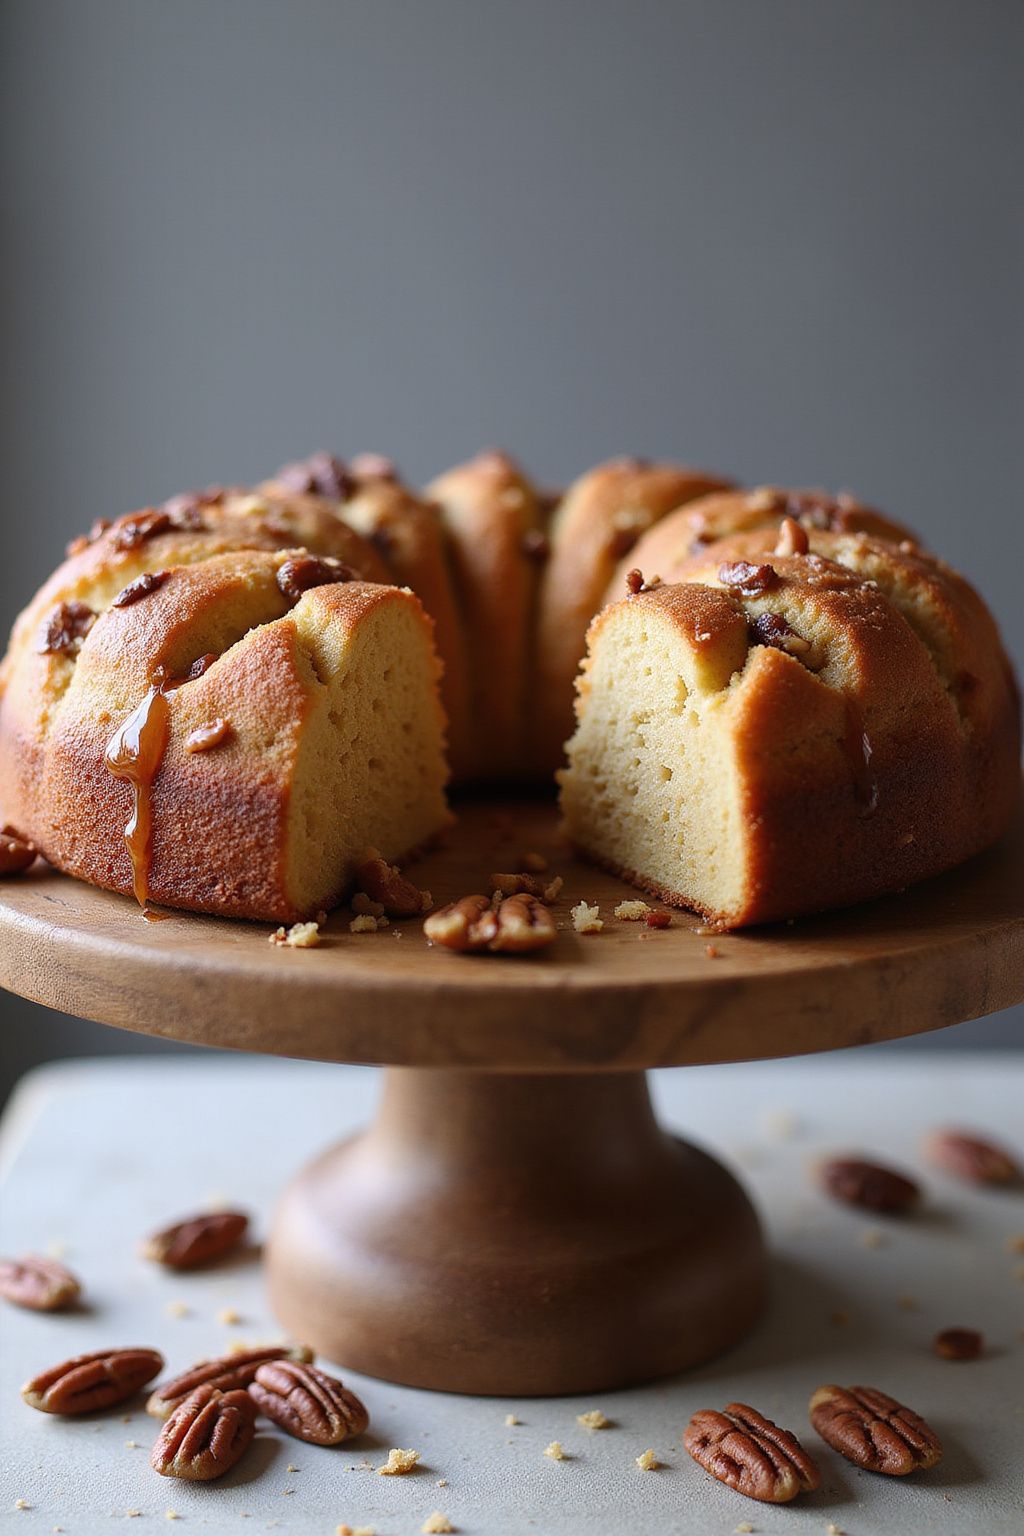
865	759
495	523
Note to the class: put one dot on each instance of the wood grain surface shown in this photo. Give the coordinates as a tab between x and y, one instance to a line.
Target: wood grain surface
626	998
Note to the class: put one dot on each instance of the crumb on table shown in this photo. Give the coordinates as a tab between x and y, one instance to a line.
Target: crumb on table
585	918
554	1451
511	1421
631	911
595	1419
647	1461
399	1462
298	936
437	1525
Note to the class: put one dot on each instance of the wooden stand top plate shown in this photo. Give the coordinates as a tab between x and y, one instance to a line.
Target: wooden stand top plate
627	998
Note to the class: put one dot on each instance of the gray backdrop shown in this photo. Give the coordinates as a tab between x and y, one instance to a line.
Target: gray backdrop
779	239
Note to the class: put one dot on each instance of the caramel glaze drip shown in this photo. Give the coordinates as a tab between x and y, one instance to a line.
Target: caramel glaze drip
134	755
859	751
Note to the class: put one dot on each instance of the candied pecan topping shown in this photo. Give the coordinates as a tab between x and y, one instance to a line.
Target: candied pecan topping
65	629
869	1185
373	466
303	572
141	587
743	1449
17	853
535	545
83	541
135	529
322	474
749	579
772	629
873	1430
792	538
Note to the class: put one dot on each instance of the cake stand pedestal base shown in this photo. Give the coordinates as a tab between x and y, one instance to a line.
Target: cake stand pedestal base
518	1235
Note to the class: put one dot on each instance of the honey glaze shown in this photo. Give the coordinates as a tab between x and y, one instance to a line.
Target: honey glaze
134	755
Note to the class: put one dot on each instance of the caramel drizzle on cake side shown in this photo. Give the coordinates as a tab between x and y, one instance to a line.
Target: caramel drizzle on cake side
134	755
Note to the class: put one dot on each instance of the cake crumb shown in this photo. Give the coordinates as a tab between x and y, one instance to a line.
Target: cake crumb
363	906
22	1504
365	924
133	1514
586	919
744	1528
131	1445
442	1482
834	1530
171	1514
291	1467
358	1530
399	1462
872	1237
511	1421
781	1123
298	936
554	1451
229	1317
647	1461
595	1419
631	911
176	1309
712	951
437	1525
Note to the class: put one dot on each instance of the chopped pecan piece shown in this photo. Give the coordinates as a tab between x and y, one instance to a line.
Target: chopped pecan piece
17	853
197	1240
792	538
205	1435
133	530
958	1344
514	924
65	629
772	629
385	884
38	1283
322	474
227	1373
973	1158
658	919
87	1383
873	1430
206	737
308	1403
96	532
524	884
869	1185
141	587
748	579
751	1454
303	572
636	583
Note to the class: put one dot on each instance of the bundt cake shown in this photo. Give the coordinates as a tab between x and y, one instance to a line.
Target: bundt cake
795	719
222	702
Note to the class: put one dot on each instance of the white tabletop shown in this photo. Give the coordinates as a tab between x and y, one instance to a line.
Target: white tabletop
95	1155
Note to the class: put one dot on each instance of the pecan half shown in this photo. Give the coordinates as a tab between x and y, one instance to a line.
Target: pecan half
227	1373
205	1435
873	1430
17	853
197	1240
384	883
89	1382
772	629
513	925
869	1185
141	587
792	538
303	572
973	1158
64	629
748	579
322	474
958	1344
38	1283
308	1403
133	530
751	1454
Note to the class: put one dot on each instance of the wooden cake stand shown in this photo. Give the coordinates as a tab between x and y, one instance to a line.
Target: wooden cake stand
515	1221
